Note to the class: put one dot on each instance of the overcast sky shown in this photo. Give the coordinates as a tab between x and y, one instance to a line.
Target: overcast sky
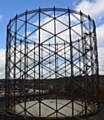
94	8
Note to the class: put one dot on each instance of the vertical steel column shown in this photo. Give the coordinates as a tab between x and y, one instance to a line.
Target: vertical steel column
8	46
71	44
71	56
84	64
95	49
83	42
25	64
9	27
55	43
39	42
7	68
79	57
97	65
91	47
92	56
14	71
42	67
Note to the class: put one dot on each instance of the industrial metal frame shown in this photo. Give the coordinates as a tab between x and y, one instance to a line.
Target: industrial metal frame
52	49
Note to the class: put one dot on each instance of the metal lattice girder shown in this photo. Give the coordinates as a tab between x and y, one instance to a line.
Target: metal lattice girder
51	58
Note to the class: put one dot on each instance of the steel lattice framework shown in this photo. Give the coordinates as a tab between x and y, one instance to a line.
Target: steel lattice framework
53	53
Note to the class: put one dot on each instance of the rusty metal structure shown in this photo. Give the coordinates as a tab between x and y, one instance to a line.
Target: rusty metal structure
51	55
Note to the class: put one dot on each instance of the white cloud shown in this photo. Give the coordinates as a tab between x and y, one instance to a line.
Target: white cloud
1	17
101	60
2	63
100	35
95	8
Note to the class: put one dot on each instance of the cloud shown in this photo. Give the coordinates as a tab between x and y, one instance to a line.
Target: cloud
95	8
100	35
1	17
2	63
101	60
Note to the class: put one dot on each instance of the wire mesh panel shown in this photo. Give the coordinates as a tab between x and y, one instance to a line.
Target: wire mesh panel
51	64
